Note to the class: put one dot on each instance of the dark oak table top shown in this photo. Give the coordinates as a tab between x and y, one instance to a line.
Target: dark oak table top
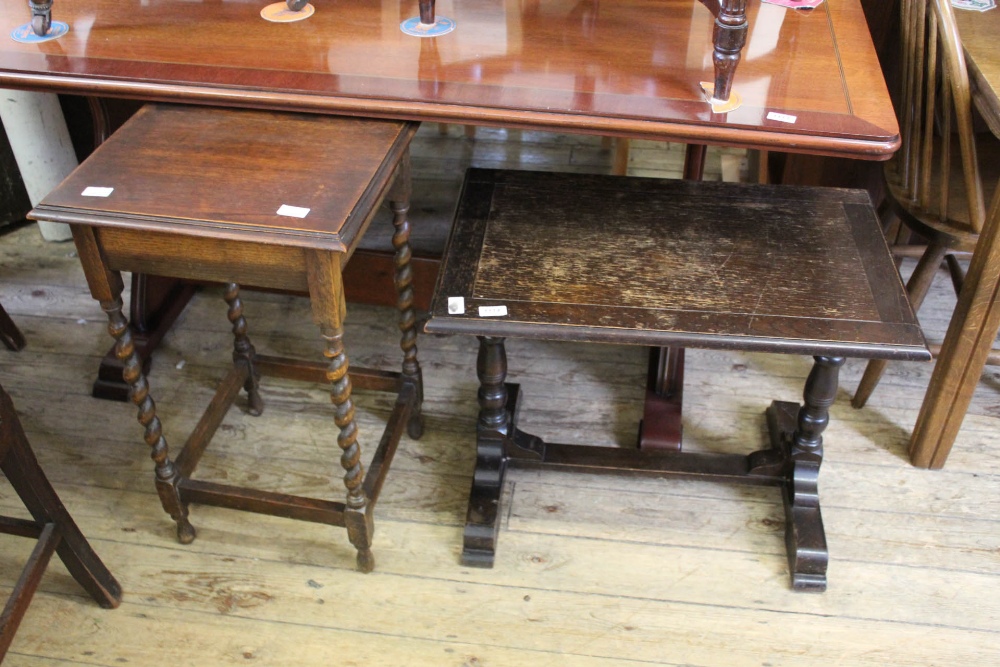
798	270
628	68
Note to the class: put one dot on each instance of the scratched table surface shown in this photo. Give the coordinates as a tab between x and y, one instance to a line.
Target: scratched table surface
628	68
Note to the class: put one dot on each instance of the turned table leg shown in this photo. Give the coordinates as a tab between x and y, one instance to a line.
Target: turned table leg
728	39
41	16
106	286
326	292
804	535
243	350
482	522
399	202
426	12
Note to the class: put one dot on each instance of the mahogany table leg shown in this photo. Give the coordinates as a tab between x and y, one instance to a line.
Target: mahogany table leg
729	37
41	16
427	12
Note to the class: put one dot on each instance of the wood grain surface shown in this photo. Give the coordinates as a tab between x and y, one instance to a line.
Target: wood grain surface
593	572
629	68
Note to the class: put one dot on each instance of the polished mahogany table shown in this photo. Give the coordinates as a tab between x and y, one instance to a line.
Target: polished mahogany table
809	81
974	325
630	68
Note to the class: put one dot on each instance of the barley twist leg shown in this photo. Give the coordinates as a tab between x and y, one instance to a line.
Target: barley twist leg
243	350
407	316
357	515
167	475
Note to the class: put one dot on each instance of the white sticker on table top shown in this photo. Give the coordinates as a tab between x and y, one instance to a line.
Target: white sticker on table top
293	211
94	191
456	305
781	117
492	311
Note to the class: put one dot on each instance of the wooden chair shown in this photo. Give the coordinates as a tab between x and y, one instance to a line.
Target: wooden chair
586	258
273	200
51	525
938	184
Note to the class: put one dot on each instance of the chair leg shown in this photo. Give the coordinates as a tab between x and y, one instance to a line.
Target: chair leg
916	289
58	531
27	584
399	202
243	349
10	335
167	475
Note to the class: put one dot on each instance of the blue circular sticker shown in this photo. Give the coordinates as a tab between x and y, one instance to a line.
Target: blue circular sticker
26	35
441	26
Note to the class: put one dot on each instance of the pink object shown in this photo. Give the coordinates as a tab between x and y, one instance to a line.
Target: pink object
796	4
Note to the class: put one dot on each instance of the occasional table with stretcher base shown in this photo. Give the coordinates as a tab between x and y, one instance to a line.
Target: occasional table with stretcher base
263	199
652	262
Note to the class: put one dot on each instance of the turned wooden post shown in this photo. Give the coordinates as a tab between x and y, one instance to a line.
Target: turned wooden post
491	368
728	38
399	203
243	349
814	416
427	12
41	16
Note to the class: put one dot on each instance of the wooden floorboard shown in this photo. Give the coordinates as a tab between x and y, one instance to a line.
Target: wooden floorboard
592	571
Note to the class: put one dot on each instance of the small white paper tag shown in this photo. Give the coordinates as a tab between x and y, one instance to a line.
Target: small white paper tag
293	211
781	117
492	311
93	191
456	305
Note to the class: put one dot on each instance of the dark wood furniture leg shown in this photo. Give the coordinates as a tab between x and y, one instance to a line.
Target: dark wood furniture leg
800	438
399	202
41	16
427	11
52	526
11	336
729	37
106	286
792	462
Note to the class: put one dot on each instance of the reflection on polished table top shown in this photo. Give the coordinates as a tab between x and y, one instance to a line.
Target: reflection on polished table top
629	68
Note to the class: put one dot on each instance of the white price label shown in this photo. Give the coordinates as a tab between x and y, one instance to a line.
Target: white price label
492	311
94	191
293	211
781	117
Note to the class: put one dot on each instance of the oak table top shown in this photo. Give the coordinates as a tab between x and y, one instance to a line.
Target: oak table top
628	68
